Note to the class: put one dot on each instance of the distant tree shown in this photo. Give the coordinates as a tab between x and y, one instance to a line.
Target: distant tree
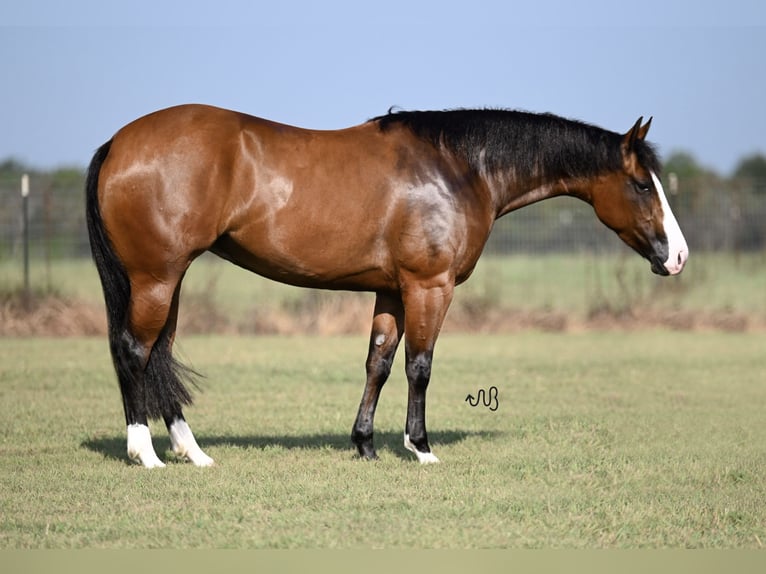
11	167
685	180
67	178
684	165
753	170
751	166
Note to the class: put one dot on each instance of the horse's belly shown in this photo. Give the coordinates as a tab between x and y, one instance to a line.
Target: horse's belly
313	265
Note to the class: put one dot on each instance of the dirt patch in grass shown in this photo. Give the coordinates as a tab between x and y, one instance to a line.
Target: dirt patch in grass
49	315
56	316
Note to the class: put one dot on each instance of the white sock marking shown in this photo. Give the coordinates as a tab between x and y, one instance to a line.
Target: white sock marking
140	447
678	250
423	457
185	445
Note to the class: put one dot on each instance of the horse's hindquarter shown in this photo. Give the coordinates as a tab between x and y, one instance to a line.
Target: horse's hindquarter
154	190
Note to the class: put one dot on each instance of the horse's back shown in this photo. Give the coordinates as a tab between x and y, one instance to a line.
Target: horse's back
193	135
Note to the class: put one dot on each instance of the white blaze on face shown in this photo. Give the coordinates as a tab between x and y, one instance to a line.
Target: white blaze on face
678	251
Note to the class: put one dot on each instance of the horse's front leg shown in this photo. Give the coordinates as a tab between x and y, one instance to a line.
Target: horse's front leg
387	327
425	307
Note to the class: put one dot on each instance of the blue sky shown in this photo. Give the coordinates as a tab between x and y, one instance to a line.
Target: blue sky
75	72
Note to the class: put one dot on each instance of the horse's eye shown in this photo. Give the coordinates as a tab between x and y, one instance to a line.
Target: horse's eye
642	186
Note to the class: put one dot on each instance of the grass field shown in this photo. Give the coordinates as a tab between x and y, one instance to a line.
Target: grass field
600	440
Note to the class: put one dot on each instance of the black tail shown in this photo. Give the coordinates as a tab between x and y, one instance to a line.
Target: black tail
164	390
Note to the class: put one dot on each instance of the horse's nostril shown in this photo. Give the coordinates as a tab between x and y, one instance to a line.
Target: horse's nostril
679	258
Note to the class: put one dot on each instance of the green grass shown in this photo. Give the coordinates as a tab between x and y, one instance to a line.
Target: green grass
601	440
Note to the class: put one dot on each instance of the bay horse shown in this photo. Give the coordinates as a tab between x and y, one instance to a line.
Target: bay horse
400	205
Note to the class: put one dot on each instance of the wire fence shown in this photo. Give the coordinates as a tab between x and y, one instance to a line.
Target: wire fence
56	218
715	215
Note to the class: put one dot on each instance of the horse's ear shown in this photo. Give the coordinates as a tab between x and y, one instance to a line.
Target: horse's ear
643	130
629	139
629	143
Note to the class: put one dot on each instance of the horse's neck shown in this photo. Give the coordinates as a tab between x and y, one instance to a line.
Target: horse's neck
510	195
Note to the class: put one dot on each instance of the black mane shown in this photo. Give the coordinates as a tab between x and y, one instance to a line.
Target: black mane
531	145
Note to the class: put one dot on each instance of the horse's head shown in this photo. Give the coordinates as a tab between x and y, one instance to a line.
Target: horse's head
631	201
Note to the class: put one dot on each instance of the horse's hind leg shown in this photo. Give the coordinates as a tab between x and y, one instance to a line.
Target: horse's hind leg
130	359
132	352
182	439
387	326
152	386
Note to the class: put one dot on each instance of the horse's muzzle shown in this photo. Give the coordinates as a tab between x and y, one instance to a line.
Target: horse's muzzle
671	266
658	266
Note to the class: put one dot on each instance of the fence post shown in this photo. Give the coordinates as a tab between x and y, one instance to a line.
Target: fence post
25	231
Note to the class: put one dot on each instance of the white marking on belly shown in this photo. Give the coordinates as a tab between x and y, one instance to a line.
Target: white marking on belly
423	457
185	445
140	447
678	250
